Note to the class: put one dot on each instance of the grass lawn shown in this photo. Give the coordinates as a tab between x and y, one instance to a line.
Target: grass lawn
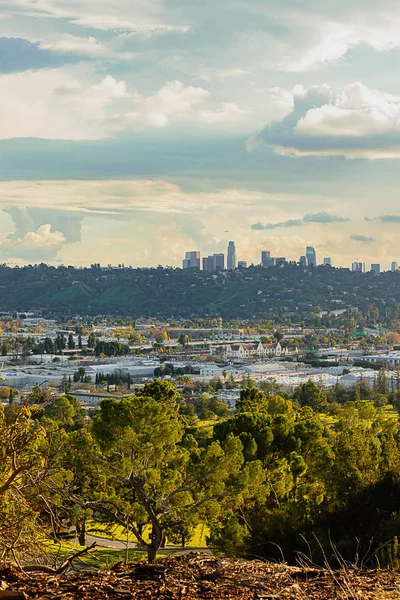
99	558
117	532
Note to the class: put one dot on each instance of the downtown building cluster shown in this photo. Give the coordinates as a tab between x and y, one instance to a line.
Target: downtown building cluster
216	262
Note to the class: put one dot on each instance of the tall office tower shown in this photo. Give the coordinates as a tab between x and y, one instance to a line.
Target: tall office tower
327	262
265	255
191	260
358	267
303	261
208	263
394	266
280	260
242	264
311	257
218	262
376	268
231	258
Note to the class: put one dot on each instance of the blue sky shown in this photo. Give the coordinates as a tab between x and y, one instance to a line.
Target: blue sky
135	130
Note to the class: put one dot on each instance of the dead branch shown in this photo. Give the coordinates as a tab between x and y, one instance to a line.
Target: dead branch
65	565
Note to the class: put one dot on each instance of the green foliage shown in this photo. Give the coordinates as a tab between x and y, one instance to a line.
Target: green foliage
277	476
22	470
288	291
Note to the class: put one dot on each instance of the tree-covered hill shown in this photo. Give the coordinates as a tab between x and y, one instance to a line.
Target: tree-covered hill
245	293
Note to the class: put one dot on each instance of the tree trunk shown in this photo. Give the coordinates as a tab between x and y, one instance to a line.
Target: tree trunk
156	541
183	540
81	531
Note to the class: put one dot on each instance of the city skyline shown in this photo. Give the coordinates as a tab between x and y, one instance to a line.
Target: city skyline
132	131
193	259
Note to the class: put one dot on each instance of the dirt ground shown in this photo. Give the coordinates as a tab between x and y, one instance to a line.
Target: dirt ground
199	577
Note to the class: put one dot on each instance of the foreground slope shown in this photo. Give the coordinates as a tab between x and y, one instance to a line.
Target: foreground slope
196	577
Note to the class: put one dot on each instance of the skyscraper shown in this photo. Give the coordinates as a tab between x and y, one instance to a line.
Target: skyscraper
376	268
242	264
303	261
231	258
214	262
265	254
394	266
311	256
327	262
358	267
191	260
208	263
218	262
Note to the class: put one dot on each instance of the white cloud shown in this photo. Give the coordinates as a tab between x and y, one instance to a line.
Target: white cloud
53	104
356	111
67	43
219	73
174	99
357	122
229	112
147	196
130	15
41	244
328	38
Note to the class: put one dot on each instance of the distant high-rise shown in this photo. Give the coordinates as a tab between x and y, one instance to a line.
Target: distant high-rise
208	263
214	262
280	260
311	257
394	266
219	262
358	267
265	255
303	261
242	264
376	268
266	259
191	260
327	262
231	258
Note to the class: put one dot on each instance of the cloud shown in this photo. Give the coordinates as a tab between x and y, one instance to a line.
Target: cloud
229	112
90	47
52	104
384	219
30	218
364	239
331	41
42	244
389	218
219	73
322	217
356	123
124	15
174	99
289	223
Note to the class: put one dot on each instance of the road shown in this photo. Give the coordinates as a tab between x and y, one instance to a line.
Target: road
102	542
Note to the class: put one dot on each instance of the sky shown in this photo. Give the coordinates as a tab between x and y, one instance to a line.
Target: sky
132	131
